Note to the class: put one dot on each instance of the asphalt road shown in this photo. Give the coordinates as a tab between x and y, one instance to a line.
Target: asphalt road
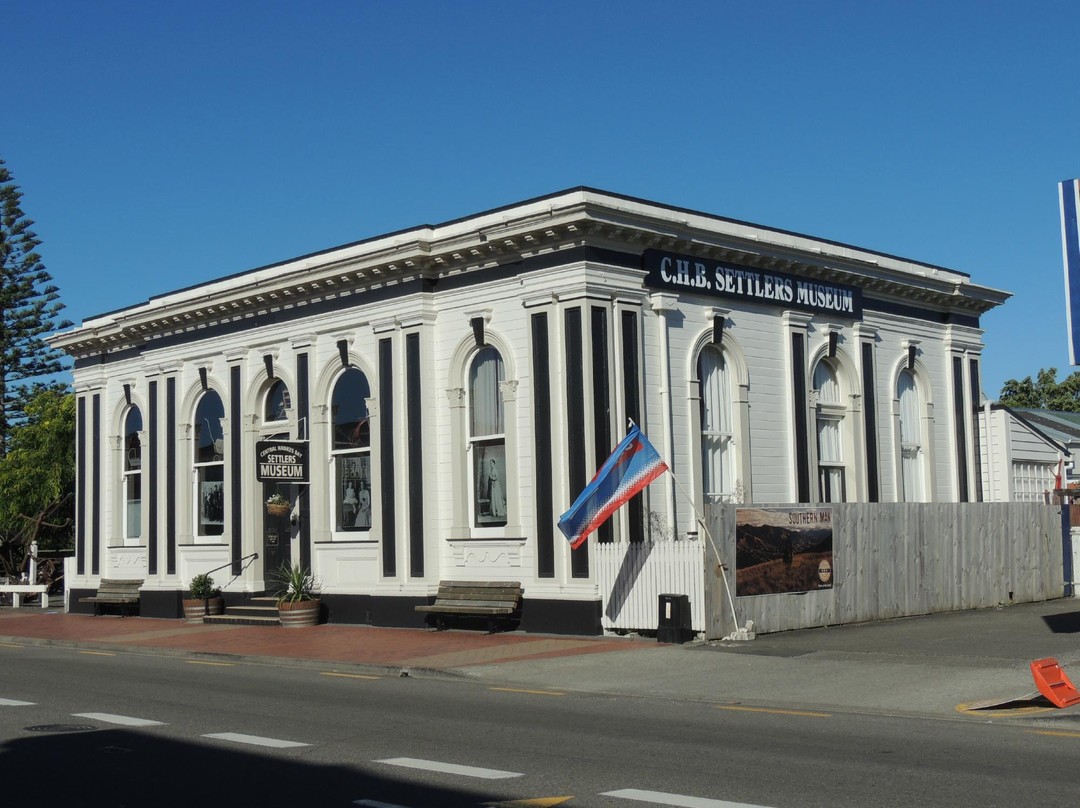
74	732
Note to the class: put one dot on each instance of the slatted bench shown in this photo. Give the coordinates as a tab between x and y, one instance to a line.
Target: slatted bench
16	590
122	592
495	600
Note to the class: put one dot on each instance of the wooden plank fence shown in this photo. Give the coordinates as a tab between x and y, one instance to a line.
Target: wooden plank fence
632	576
894	560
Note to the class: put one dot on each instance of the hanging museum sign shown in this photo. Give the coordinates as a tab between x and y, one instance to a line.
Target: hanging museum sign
685	273
780	550
281	461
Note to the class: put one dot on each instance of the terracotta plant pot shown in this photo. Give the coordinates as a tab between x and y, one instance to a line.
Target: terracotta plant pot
299	613
194	609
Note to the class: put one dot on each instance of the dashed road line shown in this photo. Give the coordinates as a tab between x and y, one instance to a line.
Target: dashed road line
450	768
523	690
772	711
1057	733
349	675
254	740
211	664
123	720
9	645
680	800
97	653
15	703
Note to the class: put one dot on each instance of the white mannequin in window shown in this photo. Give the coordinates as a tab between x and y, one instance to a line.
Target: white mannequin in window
363	513
495	492
348	506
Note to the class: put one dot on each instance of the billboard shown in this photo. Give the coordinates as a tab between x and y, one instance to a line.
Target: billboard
780	550
1069	198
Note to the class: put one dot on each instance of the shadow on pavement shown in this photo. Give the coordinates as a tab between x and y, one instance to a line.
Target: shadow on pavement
77	765
1067	623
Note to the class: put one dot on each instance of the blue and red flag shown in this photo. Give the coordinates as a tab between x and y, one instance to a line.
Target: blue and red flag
632	465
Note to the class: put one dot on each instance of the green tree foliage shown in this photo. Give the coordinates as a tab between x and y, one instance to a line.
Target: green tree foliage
29	306
1045	393
37	478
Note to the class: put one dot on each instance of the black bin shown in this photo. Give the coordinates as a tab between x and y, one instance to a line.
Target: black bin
674	623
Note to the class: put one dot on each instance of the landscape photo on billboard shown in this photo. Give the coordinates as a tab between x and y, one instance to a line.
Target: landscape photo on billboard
780	550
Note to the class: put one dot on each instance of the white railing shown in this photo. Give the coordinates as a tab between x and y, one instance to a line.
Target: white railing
632	576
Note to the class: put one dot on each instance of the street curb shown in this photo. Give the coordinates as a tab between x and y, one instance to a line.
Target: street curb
334	666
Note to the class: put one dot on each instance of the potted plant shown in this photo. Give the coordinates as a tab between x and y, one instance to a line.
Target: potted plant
297	603
277	505
205	599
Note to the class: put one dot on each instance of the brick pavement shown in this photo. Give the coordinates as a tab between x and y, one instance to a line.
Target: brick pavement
389	647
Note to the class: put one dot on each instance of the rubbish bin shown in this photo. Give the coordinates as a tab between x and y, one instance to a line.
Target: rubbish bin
674	623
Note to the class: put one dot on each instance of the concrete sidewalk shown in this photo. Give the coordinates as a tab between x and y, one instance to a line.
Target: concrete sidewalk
935	665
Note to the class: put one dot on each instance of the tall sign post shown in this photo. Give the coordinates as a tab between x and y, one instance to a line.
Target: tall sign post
1069	196
1069	199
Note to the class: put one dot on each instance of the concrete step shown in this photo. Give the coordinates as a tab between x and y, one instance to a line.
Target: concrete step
229	619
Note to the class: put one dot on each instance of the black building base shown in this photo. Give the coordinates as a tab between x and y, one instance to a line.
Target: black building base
569	617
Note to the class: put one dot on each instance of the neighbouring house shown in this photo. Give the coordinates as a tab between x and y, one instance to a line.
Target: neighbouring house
1029	453
428	402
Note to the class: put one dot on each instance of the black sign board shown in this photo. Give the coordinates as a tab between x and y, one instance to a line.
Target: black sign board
281	461
685	273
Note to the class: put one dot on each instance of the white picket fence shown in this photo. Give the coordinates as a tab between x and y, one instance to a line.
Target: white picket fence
632	576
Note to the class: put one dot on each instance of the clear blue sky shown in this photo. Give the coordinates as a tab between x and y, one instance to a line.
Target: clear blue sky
160	145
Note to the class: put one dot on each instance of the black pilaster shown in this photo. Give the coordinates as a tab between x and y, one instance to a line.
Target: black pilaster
414	412
575	422
798	387
873	484
386	457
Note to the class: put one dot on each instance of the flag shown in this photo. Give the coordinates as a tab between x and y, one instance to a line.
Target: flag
632	465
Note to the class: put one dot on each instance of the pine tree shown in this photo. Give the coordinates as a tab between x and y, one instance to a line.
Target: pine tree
29	305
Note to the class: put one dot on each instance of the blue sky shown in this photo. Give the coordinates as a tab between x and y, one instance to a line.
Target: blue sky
162	145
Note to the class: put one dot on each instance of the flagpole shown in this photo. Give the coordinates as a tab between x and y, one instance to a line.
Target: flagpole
740	633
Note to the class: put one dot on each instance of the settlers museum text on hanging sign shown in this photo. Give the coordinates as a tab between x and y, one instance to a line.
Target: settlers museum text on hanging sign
282	461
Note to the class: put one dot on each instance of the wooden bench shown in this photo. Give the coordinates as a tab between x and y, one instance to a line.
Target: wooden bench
495	600
122	592
16	590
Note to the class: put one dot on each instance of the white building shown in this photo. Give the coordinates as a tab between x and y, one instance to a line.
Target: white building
455	386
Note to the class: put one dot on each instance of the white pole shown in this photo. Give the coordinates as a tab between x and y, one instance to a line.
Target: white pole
740	633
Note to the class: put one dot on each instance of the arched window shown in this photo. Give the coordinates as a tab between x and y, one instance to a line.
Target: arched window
209	465
351	451
830	434
277	404
716	444
911	465
132	474
487	438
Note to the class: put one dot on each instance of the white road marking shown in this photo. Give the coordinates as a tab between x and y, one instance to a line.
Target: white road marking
680	800
450	768
254	740
123	720
15	703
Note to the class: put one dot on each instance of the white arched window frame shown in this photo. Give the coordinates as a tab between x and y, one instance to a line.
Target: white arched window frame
717	446
486	440
208	466
913	484
132	474
277	403
350	452
832	471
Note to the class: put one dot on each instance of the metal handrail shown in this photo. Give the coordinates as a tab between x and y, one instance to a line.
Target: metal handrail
206	600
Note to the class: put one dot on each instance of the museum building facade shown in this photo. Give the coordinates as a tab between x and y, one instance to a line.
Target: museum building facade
428	402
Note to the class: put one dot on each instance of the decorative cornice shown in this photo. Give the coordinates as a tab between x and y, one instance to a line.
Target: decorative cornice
513	234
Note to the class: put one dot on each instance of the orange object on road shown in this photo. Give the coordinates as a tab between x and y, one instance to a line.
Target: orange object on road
1053	683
